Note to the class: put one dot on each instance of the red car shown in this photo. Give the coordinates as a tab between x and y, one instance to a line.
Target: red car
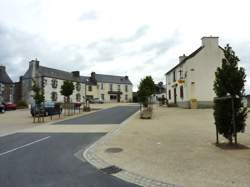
10	106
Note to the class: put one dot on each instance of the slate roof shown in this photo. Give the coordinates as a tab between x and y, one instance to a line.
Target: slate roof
112	79
185	59
58	74
4	77
64	75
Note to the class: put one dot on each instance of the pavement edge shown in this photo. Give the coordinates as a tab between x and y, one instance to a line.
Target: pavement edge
90	155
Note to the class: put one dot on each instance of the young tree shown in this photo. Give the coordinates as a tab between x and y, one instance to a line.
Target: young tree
229	83
67	89
38	94
145	90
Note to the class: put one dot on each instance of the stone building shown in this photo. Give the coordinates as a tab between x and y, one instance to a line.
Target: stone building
190	83
6	86
106	87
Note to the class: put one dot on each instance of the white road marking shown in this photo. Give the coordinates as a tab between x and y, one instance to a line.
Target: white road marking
26	145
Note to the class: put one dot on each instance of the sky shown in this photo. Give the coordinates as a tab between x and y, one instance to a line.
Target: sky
119	37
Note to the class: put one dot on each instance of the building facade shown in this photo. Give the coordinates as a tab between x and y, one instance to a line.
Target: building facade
94	86
190	83
110	88
6	86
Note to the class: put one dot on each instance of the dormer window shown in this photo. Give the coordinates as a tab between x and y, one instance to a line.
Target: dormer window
54	83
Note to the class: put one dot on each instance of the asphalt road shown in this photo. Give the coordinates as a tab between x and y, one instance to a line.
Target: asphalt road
49	160
115	115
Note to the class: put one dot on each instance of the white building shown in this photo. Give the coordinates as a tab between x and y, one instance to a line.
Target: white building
190	83
109	88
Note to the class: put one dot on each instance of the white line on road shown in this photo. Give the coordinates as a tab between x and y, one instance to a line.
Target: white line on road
26	145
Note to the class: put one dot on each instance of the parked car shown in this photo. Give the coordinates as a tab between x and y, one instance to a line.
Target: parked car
47	108
96	100
2	108
10	106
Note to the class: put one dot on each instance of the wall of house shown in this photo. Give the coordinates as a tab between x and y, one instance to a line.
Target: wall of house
48	89
198	74
6	94
93	92
98	91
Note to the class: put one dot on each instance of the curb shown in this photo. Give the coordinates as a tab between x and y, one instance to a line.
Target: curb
90	155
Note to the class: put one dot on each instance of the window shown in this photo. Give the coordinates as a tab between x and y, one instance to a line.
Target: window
89	88
78	97
54	96
126	97
119	87
126	88
181	92
78	86
65	99
110	87
44	82
102	97
54	83
101	86
169	94
180	71
174	78
113	97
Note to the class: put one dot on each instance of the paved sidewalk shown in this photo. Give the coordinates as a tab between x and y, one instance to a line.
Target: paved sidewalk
176	147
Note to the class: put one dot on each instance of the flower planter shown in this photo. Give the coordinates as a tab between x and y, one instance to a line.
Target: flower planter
146	113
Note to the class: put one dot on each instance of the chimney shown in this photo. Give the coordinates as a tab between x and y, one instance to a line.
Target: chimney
2	69
126	77
181	58
34	66
210	41
34	63
76	73
93	75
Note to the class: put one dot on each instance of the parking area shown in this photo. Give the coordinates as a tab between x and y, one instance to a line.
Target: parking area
12	121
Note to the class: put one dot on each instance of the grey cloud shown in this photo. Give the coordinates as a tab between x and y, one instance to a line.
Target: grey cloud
18	48
91	15
111	48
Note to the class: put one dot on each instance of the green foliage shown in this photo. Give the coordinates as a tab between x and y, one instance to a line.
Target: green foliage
38	93
67	89
145	90
229	80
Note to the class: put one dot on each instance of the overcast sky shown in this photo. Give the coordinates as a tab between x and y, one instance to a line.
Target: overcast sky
121	37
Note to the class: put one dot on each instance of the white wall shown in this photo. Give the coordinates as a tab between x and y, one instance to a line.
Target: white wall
200	74
48	89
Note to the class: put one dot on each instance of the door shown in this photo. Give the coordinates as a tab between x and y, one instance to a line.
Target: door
118	98
175	95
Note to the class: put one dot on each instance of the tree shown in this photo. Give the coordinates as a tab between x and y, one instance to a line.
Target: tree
229	83
145	90
38	94
67	89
